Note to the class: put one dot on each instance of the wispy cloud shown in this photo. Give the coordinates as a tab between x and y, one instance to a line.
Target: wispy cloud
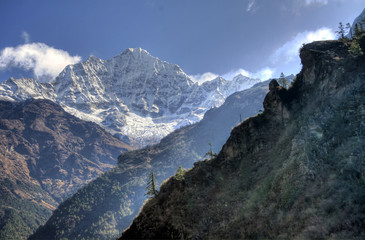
308	3
263	74
320	2
284	57
230	75
289	51
200	78
45	61
296	6
250	5
25	36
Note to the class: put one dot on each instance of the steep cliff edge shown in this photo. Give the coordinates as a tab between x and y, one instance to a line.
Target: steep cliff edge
296	171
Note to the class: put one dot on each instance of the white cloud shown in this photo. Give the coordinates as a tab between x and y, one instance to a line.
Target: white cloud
321	2
25	37
200	78
250	5
230	75
265	73
290	50
45	61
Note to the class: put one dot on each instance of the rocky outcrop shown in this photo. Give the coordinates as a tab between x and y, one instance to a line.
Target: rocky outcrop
46	154
296	171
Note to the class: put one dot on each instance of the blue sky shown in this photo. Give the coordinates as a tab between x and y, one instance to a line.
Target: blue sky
259	38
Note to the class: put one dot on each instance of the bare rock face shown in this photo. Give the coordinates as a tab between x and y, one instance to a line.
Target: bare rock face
295	171
276	101
46	154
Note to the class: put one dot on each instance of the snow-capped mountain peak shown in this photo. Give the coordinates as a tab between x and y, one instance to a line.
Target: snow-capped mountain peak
133	94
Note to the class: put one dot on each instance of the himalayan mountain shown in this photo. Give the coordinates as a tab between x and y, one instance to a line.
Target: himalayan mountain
135	96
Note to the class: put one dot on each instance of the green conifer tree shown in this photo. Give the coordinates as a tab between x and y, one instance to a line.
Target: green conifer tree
355	49
210	153
283	81
341	31
151	186
362	24
179	175
349	29
357	31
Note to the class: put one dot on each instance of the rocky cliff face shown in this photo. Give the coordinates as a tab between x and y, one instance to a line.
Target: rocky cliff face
296	171
134	95
107	205
46	154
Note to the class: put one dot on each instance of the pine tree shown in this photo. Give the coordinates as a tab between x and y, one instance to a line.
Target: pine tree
357	31
283	81
151	186
210	153
349	29
362	23
355	49
179	175
341	31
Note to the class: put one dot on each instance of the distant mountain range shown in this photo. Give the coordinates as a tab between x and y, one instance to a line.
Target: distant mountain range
135	96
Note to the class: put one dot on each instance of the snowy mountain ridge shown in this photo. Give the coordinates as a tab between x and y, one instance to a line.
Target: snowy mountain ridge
133	95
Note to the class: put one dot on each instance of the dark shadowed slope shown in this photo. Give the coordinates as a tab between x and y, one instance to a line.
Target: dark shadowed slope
107	205
296	171
46	154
